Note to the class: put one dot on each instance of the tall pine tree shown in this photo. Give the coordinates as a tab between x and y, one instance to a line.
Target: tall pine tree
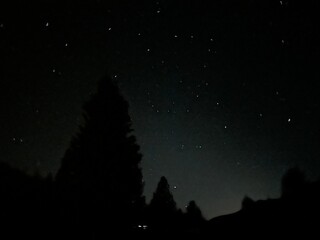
163	210
162	198
100	176
194	217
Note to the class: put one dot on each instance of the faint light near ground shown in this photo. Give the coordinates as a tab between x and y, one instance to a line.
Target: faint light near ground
142	226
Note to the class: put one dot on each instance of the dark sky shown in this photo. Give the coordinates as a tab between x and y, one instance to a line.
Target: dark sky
224	95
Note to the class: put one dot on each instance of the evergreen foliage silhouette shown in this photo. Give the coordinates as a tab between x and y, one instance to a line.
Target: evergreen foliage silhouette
100	176
194	212
162	198
163	208
194	219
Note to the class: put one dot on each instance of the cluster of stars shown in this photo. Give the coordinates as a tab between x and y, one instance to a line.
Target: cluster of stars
176	36
186	86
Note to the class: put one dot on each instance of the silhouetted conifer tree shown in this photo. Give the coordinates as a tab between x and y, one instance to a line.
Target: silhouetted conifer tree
162	208
193	216
163	198
193	211
100	179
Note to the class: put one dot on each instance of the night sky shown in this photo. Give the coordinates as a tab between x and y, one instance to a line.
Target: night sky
224	95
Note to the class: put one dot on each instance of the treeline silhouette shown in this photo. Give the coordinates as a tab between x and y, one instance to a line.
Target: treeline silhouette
98	190
294	214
